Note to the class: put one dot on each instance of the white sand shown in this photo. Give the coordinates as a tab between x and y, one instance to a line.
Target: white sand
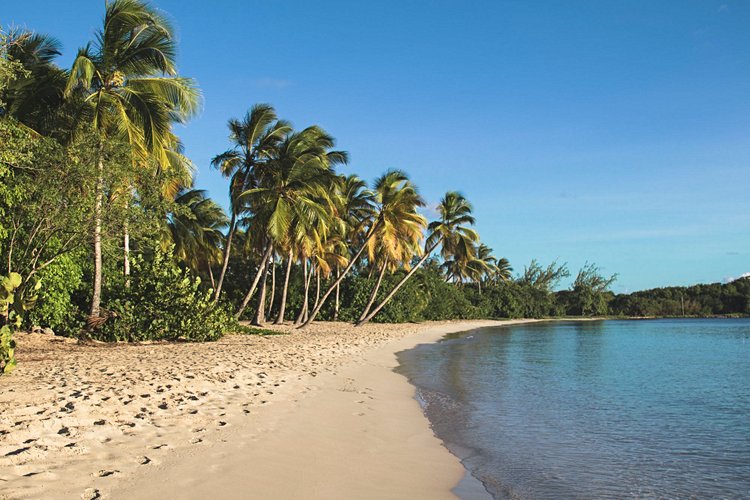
318	413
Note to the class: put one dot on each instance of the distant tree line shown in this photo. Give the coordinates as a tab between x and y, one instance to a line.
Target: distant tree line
715	299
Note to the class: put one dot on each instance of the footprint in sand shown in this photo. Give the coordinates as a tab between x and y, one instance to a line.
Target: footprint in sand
107	473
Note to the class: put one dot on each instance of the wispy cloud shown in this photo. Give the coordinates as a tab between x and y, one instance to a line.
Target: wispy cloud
272	83
723	8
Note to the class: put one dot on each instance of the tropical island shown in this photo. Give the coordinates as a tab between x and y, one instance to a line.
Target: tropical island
119	275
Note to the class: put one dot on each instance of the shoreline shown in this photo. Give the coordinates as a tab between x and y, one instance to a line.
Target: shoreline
318	413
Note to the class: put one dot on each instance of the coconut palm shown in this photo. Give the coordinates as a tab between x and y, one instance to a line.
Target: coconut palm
253	137
195	229
128	85
451	231
396	200
396	242
504	271
35	95
485	266
294	185
355	205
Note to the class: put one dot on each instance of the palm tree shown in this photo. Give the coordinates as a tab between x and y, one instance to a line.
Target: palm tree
396	242
485	265
294	185
195	229
396	200
504	270
129	88
355	205
35	95
450	230
254	137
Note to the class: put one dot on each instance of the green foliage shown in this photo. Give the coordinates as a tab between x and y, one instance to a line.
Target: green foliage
162	302
10	69
56	308
425	297
590	295
251	330
16	298
543	278
698	300
7	349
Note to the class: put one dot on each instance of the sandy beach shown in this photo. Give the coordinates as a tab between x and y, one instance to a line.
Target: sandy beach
315	413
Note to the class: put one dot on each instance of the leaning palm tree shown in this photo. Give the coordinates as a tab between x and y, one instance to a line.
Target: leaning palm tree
127	82
396	242
356	209
253	138
396	200
451	231
293	185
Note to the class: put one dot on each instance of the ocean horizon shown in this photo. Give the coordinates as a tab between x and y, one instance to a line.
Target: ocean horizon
594	409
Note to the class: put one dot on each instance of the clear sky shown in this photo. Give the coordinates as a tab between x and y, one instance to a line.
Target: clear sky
614	132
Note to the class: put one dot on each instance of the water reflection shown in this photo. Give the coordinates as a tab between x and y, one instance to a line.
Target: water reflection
595	409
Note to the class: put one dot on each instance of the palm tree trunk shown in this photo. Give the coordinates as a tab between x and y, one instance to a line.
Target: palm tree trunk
273	285
96	296
317	288
280	317
348	268
258	276
338	301
211	274
374	292
126	251
399	285
225	263
126	247
260	313
306	282
307	292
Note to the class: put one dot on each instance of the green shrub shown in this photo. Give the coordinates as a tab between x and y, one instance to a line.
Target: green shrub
162	302
55	308
15	299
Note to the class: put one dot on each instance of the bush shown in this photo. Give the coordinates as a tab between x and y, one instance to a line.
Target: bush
55	307
163	302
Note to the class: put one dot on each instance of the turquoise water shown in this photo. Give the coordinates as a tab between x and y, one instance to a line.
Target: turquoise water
606	409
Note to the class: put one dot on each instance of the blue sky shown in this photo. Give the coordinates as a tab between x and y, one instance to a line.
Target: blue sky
611	132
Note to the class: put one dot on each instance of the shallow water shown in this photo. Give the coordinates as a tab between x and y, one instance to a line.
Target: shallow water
606	409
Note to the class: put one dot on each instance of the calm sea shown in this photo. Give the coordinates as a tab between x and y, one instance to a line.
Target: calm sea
605	409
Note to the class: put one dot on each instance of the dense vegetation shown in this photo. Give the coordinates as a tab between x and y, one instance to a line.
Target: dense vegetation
103	236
